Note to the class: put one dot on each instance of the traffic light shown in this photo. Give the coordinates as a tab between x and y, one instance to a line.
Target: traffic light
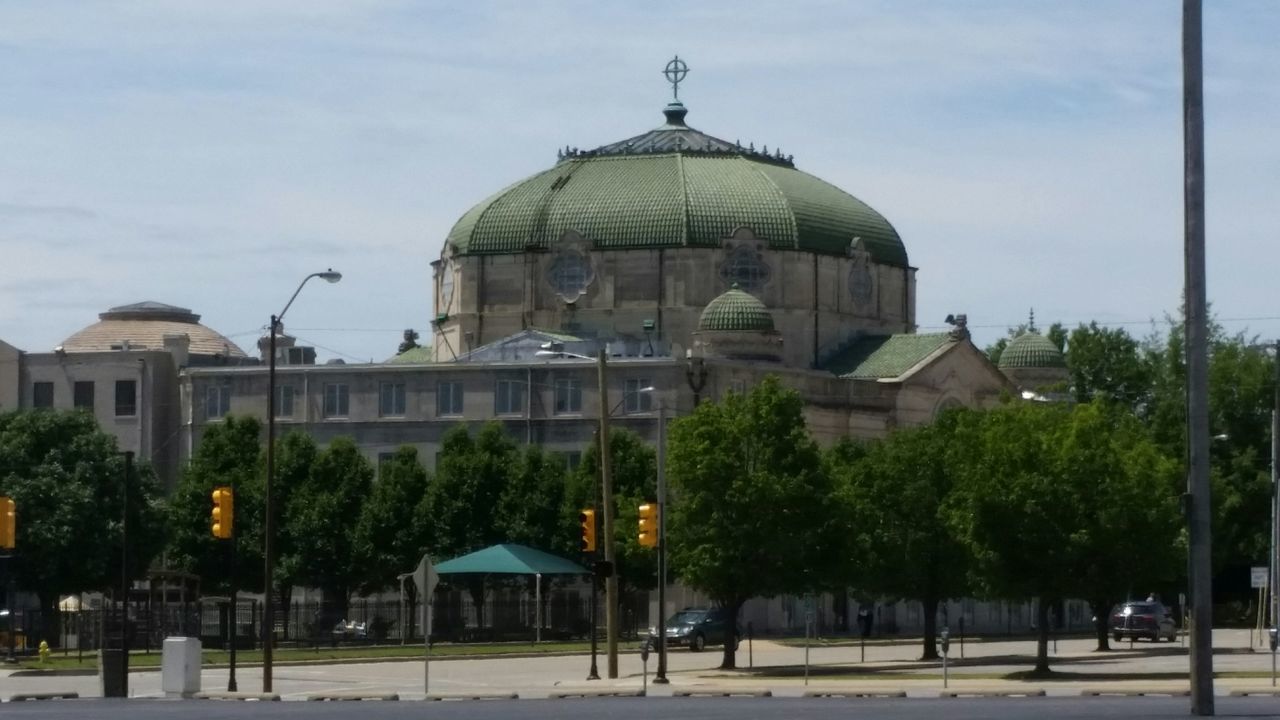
587	519
8	523
224	513
649	525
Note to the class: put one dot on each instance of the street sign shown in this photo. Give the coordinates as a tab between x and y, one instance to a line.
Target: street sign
1258	577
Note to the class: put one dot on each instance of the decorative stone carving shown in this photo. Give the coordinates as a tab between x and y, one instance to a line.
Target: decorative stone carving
744	265
571	272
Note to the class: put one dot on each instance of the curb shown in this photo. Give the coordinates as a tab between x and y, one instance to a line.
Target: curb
595	694
723	692
213	695
451	697
1247	692
44	696
1132	692
855	693
1031	692
353	696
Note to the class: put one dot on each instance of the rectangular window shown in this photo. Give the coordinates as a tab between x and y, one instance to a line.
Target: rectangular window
217	401
449	398
83	394
636	398
572	460
738	387
568	395
42	394
126	398
384	459
284	401
508	397
391	399
335	400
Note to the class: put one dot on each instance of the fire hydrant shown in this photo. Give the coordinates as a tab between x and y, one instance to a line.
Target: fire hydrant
44	652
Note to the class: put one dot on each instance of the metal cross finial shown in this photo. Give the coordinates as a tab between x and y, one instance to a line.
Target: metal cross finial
675	72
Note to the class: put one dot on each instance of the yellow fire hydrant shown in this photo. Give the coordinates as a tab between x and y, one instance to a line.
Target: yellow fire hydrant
44	652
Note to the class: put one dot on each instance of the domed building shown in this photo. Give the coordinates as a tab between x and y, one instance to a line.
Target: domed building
1033	363
640	235
125	369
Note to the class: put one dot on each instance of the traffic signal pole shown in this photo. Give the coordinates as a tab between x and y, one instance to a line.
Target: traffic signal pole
231	612
606	482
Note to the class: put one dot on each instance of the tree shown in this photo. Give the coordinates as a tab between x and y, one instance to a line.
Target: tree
893	496
1014	511
66	478
635	474
1108	363
392	534
295	457
322	517
530	509
229	454
750	511
461	501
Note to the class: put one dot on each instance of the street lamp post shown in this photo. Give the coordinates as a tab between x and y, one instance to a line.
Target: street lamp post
660	678
606	482
268	550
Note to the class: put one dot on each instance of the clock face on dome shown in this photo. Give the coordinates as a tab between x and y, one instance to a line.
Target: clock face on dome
446	288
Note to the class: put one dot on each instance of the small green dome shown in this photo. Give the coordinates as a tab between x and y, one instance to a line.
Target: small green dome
1031	350
675	187
736	311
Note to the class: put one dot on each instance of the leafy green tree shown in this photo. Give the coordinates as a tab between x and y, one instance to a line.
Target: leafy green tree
295	456
530	509
1108	363
635	467
471	474
66	479
1014	511
894	497
750	511
322	517
392	533
1129	534
229	454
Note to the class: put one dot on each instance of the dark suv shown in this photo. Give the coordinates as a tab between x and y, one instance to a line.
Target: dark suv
1147	619
700	627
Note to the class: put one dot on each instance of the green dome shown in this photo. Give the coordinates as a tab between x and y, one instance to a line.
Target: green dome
675	187
736	311
1031	350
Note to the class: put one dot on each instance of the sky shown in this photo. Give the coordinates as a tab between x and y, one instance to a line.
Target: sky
210	155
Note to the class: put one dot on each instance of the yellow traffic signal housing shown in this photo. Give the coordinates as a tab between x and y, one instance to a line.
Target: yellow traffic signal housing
8	523
587	519
224	512
649	525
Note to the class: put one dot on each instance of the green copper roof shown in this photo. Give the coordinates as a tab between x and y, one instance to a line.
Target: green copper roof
420	354
1031	350
674	187
885	356
736	311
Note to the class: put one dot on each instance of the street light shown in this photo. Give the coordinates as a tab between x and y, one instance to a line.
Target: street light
268	615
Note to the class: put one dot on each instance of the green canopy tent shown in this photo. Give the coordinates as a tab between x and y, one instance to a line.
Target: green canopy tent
513	559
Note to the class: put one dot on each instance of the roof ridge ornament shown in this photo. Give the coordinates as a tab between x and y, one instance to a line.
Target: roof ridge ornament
676	71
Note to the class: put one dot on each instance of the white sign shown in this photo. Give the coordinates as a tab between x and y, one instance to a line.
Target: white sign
1258	577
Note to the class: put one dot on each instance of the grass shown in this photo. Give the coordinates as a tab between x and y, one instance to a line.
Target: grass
285	656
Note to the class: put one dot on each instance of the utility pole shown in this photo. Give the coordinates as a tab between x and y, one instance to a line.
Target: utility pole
606	482
1197	505
661	677
124	575
1274	560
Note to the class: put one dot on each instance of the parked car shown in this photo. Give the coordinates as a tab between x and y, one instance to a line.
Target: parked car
1151	620
700	627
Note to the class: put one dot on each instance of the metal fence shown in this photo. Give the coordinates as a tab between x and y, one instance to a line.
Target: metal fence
506	615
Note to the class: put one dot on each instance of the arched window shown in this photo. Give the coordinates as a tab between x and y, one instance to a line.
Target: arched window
570	274
745	267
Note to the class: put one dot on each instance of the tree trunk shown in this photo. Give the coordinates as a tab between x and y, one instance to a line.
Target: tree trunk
930	651
1101	623
1042	639
731	638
